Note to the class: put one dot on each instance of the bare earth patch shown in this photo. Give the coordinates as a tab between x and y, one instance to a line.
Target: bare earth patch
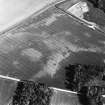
32	54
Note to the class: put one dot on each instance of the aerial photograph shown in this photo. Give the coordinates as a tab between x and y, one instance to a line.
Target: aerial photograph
52	52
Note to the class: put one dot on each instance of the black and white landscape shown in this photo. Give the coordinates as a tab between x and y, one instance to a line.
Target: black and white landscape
41	47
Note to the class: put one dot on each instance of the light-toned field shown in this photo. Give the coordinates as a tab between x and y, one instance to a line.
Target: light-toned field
13	11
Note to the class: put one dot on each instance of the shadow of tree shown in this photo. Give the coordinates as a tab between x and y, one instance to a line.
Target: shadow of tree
84	99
